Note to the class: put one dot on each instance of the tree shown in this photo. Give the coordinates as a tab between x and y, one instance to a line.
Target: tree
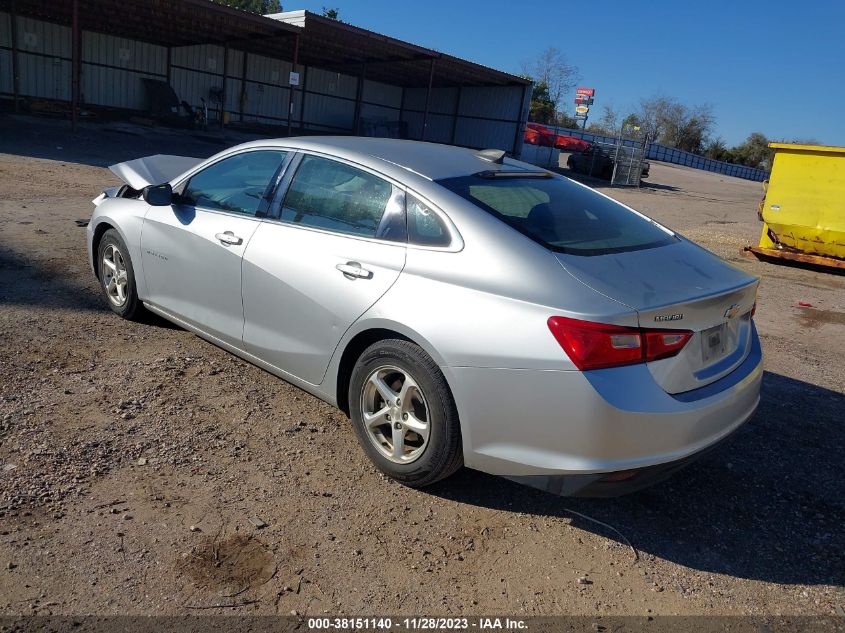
542	108
331	13
254	6
553	78
754	152
609	121
668	121
718	150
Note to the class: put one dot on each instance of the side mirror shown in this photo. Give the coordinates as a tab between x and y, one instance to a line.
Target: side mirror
158	195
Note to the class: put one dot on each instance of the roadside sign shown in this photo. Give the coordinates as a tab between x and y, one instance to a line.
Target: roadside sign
582	109
293	79
587	92
580	117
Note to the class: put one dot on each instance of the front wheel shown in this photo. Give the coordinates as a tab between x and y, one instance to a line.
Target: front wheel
117	277
404	414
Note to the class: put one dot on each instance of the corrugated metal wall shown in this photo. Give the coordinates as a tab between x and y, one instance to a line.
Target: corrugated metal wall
487	117
112	69
329	101
267	90
44	59
5	54
380	101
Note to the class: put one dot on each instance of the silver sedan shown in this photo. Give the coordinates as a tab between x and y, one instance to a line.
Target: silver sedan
461	307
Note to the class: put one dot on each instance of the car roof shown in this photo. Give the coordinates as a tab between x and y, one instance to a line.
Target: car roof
432	161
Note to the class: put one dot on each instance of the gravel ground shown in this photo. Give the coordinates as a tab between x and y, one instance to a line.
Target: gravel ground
144	471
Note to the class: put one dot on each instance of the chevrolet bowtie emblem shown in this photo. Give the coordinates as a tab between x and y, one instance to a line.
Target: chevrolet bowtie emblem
732	311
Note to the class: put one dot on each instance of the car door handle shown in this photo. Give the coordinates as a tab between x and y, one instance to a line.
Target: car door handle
229	239
354	270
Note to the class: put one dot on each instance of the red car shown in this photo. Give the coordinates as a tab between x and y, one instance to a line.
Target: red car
536	134
572	144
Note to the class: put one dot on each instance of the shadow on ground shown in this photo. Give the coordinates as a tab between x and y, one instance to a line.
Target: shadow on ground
768	504
656	186
101	145
26	281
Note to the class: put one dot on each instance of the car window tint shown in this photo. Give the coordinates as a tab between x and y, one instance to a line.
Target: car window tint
236	184
560	214
425	227
331	195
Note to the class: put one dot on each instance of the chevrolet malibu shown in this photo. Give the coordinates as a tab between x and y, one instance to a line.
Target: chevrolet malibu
461	307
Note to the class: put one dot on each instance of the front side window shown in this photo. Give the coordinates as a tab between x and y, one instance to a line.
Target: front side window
330	195
238	184
560	214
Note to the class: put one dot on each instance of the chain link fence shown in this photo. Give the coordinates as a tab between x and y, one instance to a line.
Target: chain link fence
656	151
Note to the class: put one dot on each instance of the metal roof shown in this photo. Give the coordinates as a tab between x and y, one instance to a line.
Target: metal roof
323	42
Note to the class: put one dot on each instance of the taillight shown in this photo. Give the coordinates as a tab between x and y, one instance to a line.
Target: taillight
664	343
599	345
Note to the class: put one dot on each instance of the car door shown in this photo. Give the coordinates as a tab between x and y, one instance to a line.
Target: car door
192	251
334	247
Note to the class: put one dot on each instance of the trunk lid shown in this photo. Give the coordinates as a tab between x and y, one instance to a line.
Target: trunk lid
680	286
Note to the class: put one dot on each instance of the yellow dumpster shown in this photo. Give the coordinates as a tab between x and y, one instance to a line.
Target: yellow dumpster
803	211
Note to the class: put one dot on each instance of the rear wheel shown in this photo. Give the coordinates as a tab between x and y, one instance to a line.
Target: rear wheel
404	414
117	277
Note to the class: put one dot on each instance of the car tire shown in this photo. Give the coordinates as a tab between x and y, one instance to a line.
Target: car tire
411	432
117	277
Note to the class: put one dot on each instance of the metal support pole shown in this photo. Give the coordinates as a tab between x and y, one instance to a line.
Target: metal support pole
242	98
402	113
290	88
427	100
304	82
74	80
359	95
455	114
223	87
16	73
519	129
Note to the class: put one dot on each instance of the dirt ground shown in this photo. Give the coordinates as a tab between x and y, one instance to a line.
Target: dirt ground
134	458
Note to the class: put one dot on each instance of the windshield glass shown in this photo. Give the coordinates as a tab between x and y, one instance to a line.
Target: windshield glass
560	214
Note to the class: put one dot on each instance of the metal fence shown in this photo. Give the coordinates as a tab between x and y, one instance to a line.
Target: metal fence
680	157
656	151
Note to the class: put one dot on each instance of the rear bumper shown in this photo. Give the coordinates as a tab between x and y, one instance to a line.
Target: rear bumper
613	484
527	423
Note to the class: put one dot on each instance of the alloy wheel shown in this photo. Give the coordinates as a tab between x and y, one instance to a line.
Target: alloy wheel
115	277
395	414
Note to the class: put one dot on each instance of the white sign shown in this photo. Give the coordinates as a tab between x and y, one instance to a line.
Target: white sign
293	80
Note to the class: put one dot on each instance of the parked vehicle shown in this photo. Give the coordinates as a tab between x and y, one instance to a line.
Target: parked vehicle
598	161
536	134
572	144
461	307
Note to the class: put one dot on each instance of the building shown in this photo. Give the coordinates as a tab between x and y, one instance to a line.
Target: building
296	71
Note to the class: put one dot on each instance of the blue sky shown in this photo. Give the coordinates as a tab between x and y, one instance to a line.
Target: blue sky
776	67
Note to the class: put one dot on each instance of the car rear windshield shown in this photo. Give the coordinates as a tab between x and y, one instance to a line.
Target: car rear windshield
561	214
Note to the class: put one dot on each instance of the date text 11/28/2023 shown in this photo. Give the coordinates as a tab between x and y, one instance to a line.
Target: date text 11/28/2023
416	623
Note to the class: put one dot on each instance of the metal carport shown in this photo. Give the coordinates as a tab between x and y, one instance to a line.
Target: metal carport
96	50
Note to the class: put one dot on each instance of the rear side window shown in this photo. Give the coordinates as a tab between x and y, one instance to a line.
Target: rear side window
561	214
425	227
237	184
330	195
